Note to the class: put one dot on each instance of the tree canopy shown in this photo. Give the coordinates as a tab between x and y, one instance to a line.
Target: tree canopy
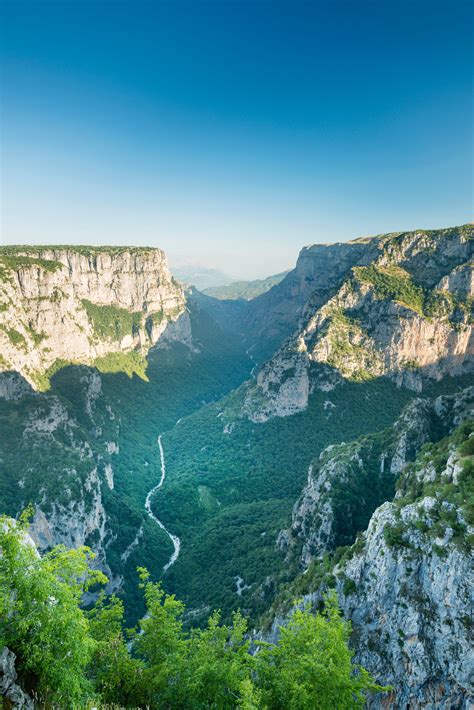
70	657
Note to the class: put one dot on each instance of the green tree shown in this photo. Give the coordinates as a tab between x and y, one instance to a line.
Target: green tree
116	675
208	668
311	666
40	617
219	666
72	658
161	644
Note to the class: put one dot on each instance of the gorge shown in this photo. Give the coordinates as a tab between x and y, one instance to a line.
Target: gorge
315	437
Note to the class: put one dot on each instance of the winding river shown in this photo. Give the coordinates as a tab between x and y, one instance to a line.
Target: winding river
174	538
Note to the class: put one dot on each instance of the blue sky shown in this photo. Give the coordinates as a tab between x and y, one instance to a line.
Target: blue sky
232	133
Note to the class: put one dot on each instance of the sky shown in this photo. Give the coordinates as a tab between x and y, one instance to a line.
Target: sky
232	133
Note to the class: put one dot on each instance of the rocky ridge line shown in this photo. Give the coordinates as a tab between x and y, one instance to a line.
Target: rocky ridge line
401	306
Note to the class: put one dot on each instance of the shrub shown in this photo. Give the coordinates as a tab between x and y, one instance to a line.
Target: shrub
73	657
392	282
112	322
393	535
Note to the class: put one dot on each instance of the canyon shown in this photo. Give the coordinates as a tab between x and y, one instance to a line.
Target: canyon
324	438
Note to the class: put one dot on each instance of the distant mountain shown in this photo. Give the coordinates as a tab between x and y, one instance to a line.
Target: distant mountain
200	276
244	290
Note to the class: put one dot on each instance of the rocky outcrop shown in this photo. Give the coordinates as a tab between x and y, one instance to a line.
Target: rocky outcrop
406	584
81	304
405	314
62	462
10	690
347	482
410	606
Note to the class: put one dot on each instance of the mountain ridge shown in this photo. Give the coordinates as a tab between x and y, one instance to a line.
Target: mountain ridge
343	333
244	290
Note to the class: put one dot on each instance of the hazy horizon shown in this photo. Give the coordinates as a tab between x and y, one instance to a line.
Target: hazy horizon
229	275
232	134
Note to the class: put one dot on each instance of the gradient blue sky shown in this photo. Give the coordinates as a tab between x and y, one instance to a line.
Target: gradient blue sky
232	133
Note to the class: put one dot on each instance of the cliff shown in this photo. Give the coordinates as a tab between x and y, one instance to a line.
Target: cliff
58	454
319	272
347	482
405	584
408	591
60	306
105	306
399	305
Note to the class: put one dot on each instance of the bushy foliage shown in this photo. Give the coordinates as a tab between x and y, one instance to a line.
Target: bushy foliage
131	363
111	321
395	284
15	337
12	262
413	487
68	657
40	617
392	282
43	379
311	666
453	492
18	251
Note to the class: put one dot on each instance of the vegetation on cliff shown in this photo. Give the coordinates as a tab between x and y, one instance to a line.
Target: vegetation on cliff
90	305
395	284
442	473
112	322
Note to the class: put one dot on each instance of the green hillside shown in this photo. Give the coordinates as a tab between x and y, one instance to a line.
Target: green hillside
244	290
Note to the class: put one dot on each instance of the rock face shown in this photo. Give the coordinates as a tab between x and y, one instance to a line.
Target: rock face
411	608
347	482
65	463
406	584
319	272
399	305
10	690
81	304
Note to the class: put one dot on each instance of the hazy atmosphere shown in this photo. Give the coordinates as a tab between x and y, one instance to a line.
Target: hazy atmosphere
230	134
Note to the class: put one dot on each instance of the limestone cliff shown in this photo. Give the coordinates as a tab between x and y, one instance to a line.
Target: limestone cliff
320	270
347	482
104	305
399	305
408	591
61	460
406	584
